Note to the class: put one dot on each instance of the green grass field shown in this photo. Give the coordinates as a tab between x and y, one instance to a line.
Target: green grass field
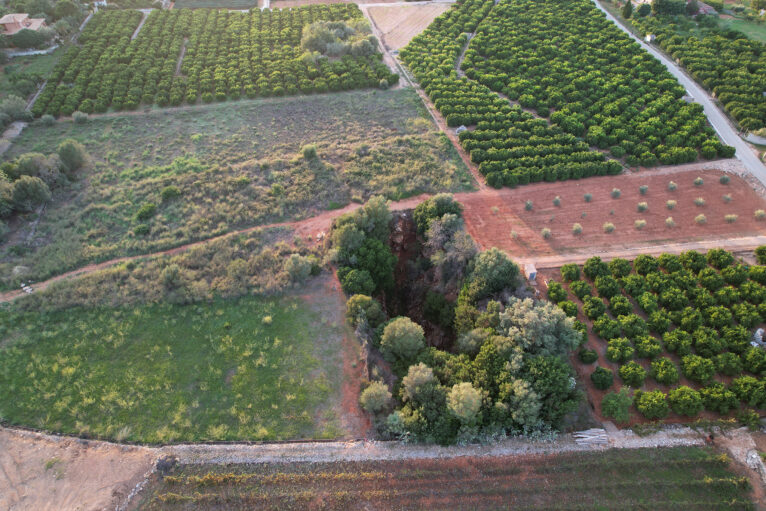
42	64
248	369
236	165
752	29
617	479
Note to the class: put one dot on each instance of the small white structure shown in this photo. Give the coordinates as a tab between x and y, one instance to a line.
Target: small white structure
650	38
460	130
530	271
758	338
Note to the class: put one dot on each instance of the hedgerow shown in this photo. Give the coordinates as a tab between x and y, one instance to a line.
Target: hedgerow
228	55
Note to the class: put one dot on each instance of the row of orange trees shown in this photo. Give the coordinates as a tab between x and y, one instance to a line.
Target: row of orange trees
223	54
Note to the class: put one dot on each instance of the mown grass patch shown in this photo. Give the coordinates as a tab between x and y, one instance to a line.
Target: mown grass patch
248	369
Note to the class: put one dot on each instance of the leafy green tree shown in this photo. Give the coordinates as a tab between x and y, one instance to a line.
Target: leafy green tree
755	361
73	155
678	341
363	309
464	402
645	264
581	289
619	350
433	208
556	292
719	258
627	10
538	327
595	267
552	378
717	398
419	383
570	272
357	282
632	374
602	378
707	343
607	286
693	261
685	401
593	307
620	306
698	369
728	364
492	272
620	268
633	326
376	258
402	340
606	328
616	405
26	38
760	254
664	371
750	390
376	398
647	346
28	193
652	405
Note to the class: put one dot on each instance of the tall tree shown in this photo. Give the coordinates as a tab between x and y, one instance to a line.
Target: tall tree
627	10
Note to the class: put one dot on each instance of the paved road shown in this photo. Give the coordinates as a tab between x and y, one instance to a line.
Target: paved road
717	118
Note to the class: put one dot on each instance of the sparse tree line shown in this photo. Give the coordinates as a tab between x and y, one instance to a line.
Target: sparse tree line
595	86
725	62
26	182
504	369
703	308
227	55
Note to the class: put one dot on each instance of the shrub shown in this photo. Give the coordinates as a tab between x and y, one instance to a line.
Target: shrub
643	189
80	117
309	151
619	267
545	233
588	197
652	405
642	206
698	181
364	309
299	267
464	402
670	222
72	154
608	227
607	286
719	258
724	179
754	360
593	307
727	198
402	340
728	364
28	192
685	401
664	371
570	272
557	201
606	328
693	261
717	398
146	211
169	193
616	193
602	378
760	214
647	346
595	267
645	264
750	390
632	374
376	398
556	292
620	306
700	219
672	186
528	205
616	405
639	224
48	120
141	230
569	308
678	342
730	219
581	289
357	282
493	272
576	228
698	369
587	356
699	201
671	204
619	350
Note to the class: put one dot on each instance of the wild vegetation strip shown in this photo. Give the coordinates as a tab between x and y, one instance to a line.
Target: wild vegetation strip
229	54
689	478
618	104
217	169
725	61
677	329
255	368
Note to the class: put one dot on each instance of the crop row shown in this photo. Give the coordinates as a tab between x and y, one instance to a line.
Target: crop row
588	83
693	308
223	54
726	62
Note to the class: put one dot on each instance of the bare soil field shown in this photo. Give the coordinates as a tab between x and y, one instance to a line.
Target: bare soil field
501	219
45	473
692	478
400	23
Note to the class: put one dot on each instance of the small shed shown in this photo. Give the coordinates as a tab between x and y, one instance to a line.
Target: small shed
460	130
650	38
530	271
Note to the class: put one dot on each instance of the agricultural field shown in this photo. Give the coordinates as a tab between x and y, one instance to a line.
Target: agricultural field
676	329
726	62
217	169
627	106
253	368
560	218
672	478
186	56
399	24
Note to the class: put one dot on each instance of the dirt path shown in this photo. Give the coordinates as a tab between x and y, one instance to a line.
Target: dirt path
42	472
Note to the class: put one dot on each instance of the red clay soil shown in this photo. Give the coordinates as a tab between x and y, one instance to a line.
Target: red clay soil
599	345
491	219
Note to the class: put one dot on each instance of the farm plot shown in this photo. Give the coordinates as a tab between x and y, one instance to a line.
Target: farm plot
615	212
399	24
616	479
216	169
677	329
597	88
256	368
228	54
725	62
